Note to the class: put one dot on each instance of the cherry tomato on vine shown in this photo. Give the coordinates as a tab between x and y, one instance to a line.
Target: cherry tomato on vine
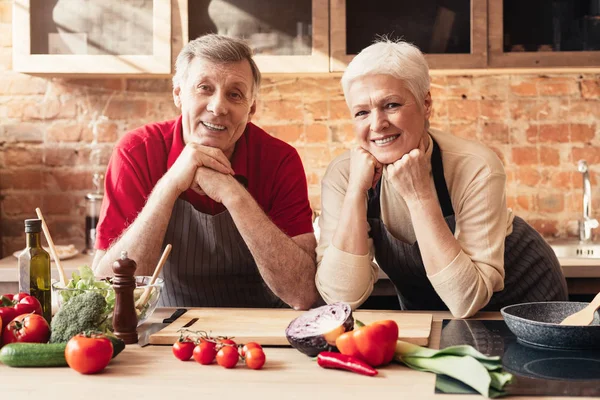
227	341
210	342
255	358
183	349
248	346
205	352
228	356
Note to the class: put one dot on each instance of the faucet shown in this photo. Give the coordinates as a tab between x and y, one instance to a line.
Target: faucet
587	223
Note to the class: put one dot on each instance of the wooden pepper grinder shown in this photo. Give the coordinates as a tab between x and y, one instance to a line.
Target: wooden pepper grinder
124	316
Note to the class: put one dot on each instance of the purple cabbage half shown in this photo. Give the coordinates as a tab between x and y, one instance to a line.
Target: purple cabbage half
316	330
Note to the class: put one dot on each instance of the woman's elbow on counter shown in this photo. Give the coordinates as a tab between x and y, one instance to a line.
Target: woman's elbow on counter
463	313
467	308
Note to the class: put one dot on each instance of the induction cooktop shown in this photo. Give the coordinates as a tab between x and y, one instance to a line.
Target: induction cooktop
537	371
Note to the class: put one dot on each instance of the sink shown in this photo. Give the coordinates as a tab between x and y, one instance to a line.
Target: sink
575	249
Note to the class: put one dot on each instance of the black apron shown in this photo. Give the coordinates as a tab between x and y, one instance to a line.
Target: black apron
532	271
210	264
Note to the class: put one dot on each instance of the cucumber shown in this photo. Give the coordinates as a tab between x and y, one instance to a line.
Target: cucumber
34	355
44	354
118	345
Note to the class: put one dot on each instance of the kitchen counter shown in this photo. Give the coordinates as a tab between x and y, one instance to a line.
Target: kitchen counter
572	267
9	274
580	267
9	267
152	372
575	268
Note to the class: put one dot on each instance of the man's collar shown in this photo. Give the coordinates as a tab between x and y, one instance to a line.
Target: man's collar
239	159
177	145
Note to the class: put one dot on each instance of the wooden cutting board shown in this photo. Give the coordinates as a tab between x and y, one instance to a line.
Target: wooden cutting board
267	326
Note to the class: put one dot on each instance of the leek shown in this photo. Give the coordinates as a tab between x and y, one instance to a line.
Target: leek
463	363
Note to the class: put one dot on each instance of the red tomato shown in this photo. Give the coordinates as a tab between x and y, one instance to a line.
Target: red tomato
255	358
227	341
205	352
31	328
228	356
208	342
248	346
88	354
183	349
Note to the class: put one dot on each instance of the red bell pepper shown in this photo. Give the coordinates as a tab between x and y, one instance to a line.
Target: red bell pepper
374	344
11	306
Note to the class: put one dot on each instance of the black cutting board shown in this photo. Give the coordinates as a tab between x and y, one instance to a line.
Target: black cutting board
537	371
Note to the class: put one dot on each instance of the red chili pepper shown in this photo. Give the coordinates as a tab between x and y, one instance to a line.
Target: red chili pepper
329	359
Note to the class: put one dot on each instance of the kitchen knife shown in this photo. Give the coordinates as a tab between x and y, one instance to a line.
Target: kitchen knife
150	329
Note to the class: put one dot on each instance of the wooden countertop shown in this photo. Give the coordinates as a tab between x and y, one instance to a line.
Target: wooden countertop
572	267
152	372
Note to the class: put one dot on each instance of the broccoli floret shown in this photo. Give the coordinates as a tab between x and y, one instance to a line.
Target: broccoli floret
84	312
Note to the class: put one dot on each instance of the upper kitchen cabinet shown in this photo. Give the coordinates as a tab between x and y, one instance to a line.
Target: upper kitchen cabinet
544	33
452	33
92	36
286	36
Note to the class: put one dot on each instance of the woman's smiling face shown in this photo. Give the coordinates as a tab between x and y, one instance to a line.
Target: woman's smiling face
388	120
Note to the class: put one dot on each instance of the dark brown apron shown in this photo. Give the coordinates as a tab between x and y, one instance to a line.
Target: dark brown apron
210	264
532	271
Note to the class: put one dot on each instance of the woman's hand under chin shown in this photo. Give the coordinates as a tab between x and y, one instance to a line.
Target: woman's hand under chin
365	170
411	175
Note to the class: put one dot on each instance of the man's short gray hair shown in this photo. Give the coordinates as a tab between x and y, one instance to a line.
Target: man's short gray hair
399	59
217	49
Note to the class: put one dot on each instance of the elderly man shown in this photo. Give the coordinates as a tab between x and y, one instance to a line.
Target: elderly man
231	199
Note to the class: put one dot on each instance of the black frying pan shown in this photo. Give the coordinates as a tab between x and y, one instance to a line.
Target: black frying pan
538	324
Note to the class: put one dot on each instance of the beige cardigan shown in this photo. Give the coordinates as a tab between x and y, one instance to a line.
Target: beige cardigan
476	182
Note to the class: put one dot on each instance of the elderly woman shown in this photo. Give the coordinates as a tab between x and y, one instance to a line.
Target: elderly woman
428	206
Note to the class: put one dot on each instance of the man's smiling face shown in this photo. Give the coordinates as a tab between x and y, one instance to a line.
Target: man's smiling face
216	102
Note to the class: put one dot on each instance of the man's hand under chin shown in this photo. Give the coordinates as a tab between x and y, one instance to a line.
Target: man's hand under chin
216	185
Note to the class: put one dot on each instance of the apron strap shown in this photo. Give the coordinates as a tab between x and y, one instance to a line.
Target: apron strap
373	203
437	169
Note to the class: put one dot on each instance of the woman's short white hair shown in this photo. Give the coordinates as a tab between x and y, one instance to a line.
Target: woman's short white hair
399	59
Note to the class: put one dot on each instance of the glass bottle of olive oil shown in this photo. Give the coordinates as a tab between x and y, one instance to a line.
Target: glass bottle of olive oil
34	268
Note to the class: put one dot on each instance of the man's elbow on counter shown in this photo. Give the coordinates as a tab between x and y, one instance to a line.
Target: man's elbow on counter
99	266
307	302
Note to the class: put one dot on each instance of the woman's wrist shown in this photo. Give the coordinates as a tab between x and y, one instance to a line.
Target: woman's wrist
422	204
356	194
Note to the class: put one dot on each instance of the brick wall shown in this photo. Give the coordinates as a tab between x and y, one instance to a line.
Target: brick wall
54	133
